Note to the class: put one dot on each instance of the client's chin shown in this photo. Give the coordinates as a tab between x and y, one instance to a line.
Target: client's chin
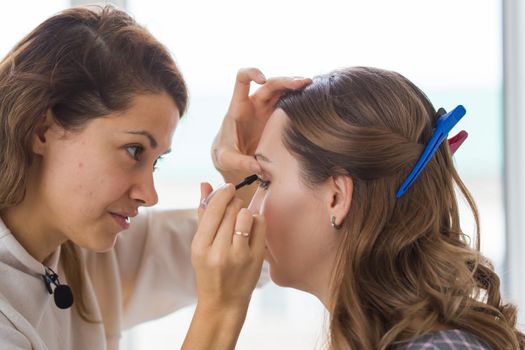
282	279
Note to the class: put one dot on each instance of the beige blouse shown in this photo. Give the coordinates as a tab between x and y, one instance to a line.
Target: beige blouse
147	275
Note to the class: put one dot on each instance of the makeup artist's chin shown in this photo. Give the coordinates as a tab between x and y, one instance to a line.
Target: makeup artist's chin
106	242
104	238
97	241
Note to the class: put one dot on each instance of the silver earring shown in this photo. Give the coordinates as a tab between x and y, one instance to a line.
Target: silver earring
334	225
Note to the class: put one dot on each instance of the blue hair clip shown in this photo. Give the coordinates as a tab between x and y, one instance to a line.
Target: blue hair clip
444	124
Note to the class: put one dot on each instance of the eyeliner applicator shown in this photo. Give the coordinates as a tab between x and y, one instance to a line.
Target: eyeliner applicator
247	181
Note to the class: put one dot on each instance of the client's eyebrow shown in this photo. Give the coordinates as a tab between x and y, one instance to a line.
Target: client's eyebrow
152	140
260	157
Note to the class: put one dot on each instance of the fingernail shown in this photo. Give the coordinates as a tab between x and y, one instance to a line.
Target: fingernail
222	186
205	201
202	203
262	77
299	78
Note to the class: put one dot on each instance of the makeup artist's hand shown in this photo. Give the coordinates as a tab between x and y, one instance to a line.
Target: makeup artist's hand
227	265
235	144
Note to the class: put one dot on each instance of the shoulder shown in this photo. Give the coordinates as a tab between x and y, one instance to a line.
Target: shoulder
12	325
453	339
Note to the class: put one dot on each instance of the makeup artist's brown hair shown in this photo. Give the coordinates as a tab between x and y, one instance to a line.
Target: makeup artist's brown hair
404	266
81	64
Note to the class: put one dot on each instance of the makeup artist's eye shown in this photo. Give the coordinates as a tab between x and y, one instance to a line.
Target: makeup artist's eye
135	151
263	184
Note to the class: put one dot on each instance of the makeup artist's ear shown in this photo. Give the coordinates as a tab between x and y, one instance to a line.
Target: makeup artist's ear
41	132
340	190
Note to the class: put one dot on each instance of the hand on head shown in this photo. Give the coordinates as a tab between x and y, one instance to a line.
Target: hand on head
235	144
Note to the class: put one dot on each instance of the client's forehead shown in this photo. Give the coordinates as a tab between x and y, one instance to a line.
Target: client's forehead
271	144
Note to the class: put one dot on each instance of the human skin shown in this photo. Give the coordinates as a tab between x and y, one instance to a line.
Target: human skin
84	185
300	240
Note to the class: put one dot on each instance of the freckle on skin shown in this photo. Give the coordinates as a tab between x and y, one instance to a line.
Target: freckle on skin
80	165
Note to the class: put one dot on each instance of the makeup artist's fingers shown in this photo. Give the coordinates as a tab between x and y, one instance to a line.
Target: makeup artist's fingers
206	189
212	217
241	235
230	159
275	87
223	239
242	83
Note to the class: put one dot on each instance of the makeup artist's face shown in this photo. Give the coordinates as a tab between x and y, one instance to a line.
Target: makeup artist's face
91	181
301	243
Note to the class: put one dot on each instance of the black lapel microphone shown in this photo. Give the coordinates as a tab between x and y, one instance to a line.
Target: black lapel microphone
62	293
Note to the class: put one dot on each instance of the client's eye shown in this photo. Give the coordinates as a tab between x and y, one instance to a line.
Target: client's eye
263	184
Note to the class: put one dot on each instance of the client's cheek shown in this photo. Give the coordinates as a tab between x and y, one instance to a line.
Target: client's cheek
274	221
279	215
256	205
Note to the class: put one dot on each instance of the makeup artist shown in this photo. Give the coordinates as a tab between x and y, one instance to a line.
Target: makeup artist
89	101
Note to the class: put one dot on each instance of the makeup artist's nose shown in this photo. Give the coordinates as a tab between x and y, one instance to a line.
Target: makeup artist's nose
143	190
255	204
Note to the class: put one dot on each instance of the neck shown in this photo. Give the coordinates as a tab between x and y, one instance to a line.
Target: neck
30	232
27	221
319	285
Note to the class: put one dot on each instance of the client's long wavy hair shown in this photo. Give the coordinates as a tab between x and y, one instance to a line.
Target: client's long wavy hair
81	64
404	265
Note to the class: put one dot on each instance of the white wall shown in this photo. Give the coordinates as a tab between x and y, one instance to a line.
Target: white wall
514	96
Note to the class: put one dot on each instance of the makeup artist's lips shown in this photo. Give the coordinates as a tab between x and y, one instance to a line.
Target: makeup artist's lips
123	219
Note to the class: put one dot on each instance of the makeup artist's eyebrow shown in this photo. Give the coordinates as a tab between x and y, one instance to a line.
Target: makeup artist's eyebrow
260	157
152	140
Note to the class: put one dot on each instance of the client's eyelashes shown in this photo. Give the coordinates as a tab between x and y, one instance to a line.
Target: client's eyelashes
263	184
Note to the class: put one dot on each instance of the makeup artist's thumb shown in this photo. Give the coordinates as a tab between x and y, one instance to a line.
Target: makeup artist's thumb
232	160
248	164
206	189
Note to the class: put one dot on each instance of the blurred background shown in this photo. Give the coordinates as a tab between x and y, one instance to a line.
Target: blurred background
458	52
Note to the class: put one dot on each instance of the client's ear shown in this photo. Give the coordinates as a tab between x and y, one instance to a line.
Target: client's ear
341	188
39	142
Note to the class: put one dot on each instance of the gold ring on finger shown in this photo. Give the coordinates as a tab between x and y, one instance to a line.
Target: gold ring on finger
243	234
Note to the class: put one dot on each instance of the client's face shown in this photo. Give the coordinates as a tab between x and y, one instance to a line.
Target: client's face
300	243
